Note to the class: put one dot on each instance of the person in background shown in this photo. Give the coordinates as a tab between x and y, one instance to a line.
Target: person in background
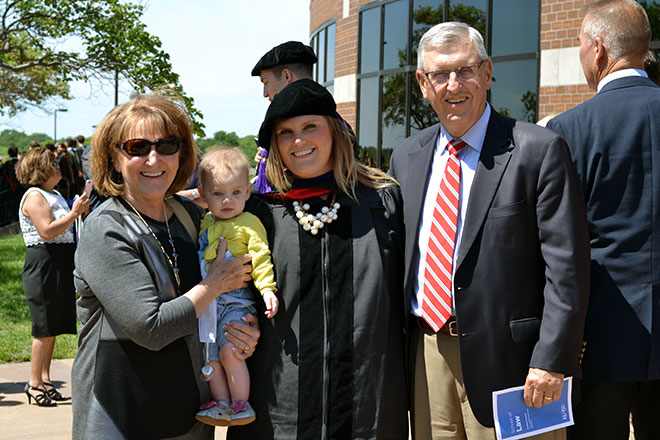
80	144
497	249
76	166
652	66
614	139
14	190
65	185
331	363
137	370
284	64
34	144
46	223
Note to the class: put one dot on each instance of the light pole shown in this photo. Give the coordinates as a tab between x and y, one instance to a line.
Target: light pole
55	122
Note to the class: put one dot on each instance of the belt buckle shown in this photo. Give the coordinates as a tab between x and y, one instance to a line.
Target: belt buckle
453	331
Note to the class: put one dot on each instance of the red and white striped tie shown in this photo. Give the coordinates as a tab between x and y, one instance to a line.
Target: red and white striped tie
438	266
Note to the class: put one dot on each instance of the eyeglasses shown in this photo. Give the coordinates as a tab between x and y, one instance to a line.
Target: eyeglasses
464	73
140	147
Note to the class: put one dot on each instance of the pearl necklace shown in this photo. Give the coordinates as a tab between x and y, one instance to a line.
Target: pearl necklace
174	266
312	223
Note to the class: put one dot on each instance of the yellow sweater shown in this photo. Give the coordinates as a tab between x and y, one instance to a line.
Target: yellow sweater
244	234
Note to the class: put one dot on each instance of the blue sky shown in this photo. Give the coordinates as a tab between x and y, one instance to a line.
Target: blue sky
213	45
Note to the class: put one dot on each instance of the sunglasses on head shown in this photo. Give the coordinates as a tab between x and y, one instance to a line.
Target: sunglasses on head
140	147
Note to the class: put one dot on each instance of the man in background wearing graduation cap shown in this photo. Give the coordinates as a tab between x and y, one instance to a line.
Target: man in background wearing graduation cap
283	65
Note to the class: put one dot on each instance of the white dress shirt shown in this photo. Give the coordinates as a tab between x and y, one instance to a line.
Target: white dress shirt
620	74
469	158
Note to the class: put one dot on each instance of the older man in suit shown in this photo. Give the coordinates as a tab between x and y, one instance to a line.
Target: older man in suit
615	143
496	248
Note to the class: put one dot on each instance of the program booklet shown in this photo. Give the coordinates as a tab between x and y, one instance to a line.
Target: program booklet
513	419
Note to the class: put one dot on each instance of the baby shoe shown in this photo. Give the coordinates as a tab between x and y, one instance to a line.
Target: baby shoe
241	413
214	413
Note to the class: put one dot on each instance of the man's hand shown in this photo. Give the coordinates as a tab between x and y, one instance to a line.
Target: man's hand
542	387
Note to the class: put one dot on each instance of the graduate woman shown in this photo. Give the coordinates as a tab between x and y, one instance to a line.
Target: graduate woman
330	364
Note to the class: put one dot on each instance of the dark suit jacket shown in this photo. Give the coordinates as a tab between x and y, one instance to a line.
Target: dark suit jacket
521	281
615	143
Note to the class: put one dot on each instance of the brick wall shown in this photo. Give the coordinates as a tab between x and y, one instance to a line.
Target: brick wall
554	100
560	26
346	43
560	23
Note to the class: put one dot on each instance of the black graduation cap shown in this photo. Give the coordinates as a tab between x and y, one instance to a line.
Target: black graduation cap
286	53
302	97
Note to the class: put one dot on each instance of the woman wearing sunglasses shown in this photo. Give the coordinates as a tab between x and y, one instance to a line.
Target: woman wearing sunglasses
330	364
137	370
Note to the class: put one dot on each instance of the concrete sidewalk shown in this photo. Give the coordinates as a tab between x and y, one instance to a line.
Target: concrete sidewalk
20	421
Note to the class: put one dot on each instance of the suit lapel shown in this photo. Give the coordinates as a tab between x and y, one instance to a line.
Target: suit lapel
493	160
414	192
418	173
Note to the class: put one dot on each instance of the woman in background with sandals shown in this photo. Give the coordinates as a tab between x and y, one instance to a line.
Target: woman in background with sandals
47	225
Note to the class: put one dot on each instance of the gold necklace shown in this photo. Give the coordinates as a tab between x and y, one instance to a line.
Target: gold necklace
174	266
312	223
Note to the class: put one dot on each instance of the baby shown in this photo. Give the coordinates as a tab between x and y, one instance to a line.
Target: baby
225	187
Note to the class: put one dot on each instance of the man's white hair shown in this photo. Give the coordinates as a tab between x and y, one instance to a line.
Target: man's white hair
449	36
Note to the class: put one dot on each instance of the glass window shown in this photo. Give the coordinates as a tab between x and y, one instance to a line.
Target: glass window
370	40
330	53
395	44
514	89
314	45
472	12
426	14
422	114
393	115
391	105
514	14
368	129
320	53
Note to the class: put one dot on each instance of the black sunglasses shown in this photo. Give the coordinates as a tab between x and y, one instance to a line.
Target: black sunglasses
140	147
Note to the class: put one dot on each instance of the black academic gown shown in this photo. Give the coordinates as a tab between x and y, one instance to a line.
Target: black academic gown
331	363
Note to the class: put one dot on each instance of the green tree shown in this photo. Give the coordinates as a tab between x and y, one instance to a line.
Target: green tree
9	137
529	101
34	66
653	11
220	139
248	146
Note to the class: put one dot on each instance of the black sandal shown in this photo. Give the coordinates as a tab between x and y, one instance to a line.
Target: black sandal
54	394
41	399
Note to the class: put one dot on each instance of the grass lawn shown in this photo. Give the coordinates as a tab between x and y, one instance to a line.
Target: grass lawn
15	321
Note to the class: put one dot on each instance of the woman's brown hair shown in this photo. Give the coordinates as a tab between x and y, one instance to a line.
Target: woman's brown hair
36	167
161	108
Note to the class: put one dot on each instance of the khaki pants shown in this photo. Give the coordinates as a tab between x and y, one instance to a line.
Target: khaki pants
441	408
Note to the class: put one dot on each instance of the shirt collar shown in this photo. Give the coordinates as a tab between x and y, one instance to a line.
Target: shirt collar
620	74
475	135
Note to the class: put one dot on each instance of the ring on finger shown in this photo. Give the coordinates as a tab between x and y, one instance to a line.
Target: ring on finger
547	397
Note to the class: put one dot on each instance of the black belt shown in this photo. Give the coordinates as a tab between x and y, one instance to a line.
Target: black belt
448	329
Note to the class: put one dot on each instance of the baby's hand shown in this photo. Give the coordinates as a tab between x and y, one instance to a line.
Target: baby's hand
272	303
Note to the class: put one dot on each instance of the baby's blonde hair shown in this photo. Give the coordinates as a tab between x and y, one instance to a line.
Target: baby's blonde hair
224	162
